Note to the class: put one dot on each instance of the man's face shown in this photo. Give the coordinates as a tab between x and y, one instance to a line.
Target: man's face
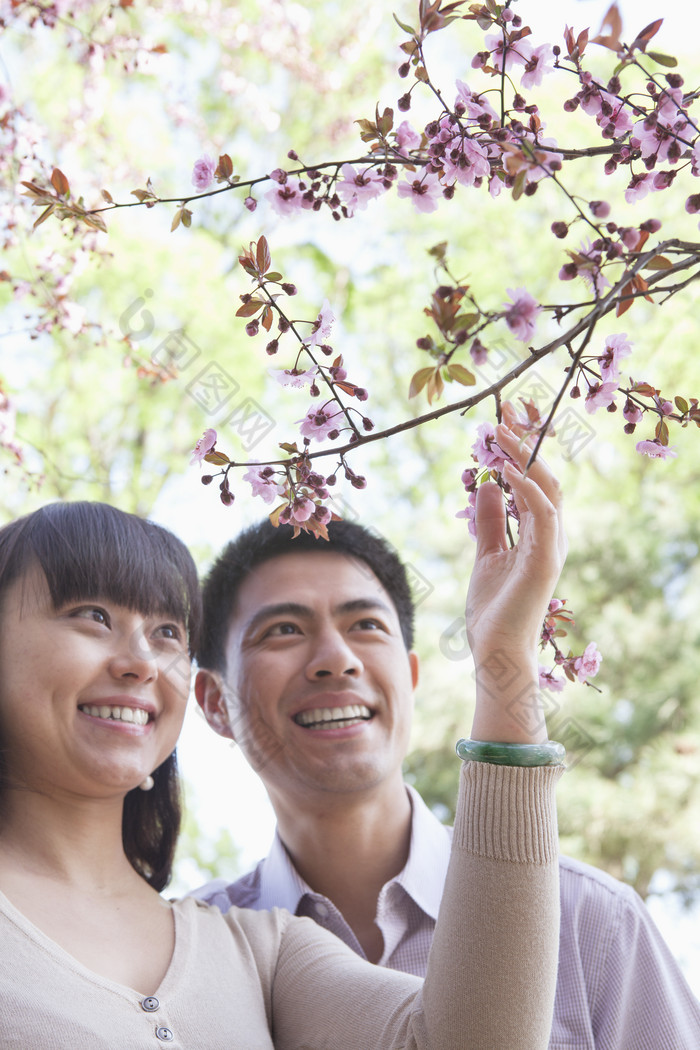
319	686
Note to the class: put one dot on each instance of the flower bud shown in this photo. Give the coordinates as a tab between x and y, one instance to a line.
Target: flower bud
271	347
207	479
404	103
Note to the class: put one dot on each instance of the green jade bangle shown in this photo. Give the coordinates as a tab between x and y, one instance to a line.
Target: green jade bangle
550	753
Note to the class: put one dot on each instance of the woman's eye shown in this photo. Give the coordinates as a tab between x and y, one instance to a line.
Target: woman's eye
172	631
94	613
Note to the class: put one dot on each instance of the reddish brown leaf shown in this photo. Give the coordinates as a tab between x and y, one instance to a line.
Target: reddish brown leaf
624	305
60	182
659	262
44	216
249	309
224	169
613	23
263	257
646	34
419	380
661	432
267	318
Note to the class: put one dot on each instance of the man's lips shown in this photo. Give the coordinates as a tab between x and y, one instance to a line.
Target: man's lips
337	717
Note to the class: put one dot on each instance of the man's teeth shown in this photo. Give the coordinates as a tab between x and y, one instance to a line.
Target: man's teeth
339	716
118	714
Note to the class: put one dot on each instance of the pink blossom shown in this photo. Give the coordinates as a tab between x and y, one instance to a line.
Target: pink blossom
638	187
321	328
655	450
588	664
548	680
520	315
470	164
600	395
537	65
293	376
469	513
205	444
406	137
203	172
320	421
477	105
263	484
357	188
478	352
518	53
616	347
620	120
695	159
632	412
425	192
486	450
299	511
285	199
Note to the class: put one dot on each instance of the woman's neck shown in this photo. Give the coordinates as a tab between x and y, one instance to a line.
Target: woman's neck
75	841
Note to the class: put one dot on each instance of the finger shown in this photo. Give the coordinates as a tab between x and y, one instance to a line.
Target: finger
490	518
520	453
539	516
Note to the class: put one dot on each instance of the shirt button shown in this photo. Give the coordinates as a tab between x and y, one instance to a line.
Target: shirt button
150	1004
164	1034
321	910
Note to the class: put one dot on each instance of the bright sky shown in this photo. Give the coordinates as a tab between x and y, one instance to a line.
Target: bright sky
224	791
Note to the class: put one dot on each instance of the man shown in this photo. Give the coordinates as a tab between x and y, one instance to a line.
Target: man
307	664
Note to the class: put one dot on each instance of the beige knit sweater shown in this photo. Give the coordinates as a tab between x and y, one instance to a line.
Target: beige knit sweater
254	980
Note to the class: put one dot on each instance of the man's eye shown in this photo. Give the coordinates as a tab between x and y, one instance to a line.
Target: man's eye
368	625
278	629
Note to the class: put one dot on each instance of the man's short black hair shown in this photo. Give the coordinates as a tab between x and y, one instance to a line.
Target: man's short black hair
263	541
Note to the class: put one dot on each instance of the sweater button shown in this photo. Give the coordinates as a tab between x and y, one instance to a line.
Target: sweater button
150	1004
164	1034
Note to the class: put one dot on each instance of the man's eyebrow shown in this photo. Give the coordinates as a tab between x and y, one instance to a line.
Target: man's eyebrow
267	612
363	605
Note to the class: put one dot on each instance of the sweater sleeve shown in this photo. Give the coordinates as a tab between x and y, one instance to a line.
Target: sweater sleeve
492	969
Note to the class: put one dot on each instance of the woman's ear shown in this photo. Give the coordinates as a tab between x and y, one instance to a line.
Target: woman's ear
209	691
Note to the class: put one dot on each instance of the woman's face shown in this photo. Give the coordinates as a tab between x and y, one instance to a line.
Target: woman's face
92	695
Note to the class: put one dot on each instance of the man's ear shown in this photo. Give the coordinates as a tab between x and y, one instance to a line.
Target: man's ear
415	666
209	691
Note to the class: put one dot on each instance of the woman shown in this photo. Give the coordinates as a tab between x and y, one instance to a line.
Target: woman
97	612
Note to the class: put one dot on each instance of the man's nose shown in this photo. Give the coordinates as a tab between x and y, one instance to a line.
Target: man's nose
333	656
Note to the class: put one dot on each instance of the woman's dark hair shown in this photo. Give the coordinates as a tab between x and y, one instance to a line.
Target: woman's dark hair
263	541
89	551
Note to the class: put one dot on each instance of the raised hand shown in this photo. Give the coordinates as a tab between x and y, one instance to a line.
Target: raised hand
510	589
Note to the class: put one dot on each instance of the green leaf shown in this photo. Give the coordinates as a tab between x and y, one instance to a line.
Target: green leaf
406	28
218	458
663	60
460	374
